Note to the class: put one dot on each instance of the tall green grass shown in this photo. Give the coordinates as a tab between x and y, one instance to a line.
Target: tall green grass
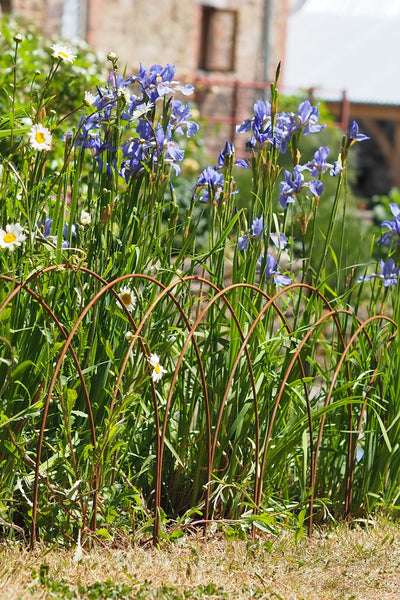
148	379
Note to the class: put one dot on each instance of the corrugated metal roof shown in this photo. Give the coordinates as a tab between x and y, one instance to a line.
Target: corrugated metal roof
345	45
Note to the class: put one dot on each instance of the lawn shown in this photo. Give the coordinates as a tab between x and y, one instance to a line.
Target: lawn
346	562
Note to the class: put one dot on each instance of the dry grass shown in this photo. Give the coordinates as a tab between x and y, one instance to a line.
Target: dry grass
342	564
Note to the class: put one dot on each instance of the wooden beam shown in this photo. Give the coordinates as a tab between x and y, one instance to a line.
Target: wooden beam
381	112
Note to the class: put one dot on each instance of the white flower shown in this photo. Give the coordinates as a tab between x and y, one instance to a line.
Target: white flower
12	237
128	298
89	99
129	336
80	295
63	52
86	218
40	137
158	370
141	110
78	555
125	94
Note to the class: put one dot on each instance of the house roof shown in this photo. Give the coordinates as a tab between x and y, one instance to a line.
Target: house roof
352	46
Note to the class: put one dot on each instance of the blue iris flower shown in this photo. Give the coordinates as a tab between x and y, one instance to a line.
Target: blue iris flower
294	183
228	154
319	164
243	242
279	132
209	185
53	238
158	81
258	226
134	158
308	116
181	119
354	135
389	273
394	226
272	272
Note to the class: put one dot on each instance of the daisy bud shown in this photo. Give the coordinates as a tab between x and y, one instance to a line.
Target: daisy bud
112	57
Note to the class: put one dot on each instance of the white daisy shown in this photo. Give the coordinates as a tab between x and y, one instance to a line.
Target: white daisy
40	137
141	110
63	52
78	555
125	94
89	99
86	218
12	237
158	370
128	298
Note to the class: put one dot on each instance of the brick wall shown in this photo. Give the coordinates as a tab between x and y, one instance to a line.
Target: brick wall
162	31
147	31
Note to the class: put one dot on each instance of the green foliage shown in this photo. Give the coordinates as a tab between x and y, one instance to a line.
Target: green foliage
164	363
32	64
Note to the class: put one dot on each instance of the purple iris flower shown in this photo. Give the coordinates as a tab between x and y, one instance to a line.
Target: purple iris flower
260	124
272	272
158	81
172	154
257	229
394	226
258	226
308	116
134	158
47	231
262	112
94	143
228	154
319	164
285	124
243	242
180	118
389	273
294	183
209	185
354	135
279	239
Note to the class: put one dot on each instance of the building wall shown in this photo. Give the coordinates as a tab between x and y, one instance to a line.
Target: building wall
162	31
146	31
46	15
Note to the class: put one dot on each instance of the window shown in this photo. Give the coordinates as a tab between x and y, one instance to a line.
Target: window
218	39
5	6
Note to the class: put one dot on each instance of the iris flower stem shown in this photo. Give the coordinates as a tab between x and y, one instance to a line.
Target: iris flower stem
331	226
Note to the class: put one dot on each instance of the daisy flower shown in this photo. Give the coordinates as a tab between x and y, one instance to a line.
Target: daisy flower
158	370
40	137
78	555
12	237
86	218
63	53
128	298
89	99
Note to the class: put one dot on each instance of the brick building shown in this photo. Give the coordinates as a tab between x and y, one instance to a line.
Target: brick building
240	38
